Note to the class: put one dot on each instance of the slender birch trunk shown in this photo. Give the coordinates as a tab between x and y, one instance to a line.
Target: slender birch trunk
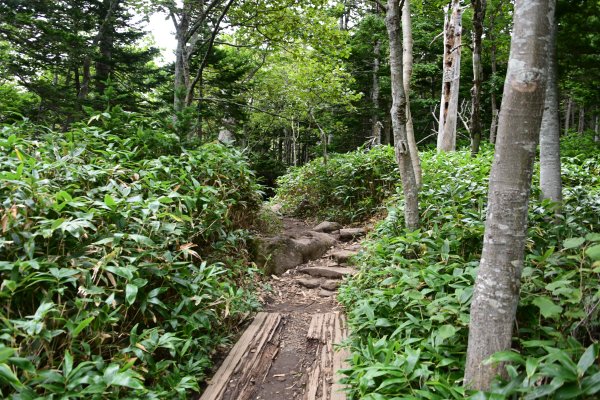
479	7
450	84
407	65
581	122
568	115
375	128
494	65
398	115
496	292
550	181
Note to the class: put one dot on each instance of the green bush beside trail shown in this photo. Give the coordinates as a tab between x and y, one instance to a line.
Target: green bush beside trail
123	260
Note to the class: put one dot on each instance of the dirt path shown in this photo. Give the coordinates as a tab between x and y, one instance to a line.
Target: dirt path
301	323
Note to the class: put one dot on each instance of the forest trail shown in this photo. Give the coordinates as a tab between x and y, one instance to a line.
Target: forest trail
289	350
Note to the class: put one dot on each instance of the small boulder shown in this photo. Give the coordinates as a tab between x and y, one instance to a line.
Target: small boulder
326	293
328	272
352	233
309	283
327	227
330	285
342	256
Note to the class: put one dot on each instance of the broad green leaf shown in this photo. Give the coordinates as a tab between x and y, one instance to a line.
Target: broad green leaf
505	356
81	326
587	359
67	364
593	252
547	307
109	201
6	353
573	242
130	293
592	237
8	376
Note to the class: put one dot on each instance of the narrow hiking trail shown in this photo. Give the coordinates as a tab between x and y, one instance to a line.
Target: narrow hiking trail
289	350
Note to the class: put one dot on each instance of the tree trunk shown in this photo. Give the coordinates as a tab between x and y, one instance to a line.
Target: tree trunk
596	132
496	292
568	115
105	39
451	79
581	123
181	64
407	66
494	66
479	7
398	115
376	129
550	182
85	81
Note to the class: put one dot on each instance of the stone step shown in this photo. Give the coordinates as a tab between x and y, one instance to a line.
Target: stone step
352	233
342	256
328	272
313	283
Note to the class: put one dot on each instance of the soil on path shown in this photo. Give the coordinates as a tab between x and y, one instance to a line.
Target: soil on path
298	298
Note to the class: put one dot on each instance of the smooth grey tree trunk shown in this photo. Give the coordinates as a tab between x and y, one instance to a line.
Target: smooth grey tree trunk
550	181
398	115
376	128
568	115
496	292
479	7
446	140
581	122
494	66
596	132
407	70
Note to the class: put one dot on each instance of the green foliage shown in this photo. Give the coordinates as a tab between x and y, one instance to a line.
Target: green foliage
124	263
409	305
350	187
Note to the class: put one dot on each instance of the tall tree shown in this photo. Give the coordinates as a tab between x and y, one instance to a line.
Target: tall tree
451	77
398	114
407	70
550	181
496	292
479	7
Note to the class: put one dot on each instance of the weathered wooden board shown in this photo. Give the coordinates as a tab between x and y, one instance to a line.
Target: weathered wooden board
328	330
251	356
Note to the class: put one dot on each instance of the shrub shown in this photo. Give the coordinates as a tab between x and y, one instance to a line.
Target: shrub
350	187
121	274
408	306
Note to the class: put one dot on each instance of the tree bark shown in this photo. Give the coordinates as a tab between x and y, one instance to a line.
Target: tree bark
568	115
105	39
398	115
376	129
494	66
479	7
450	83
496	292
407	65
550	181
581	122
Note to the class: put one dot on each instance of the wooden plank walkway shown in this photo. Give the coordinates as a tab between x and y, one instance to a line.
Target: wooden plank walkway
252	356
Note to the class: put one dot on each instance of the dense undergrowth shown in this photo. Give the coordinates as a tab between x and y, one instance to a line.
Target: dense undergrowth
409	305
123	259
350	187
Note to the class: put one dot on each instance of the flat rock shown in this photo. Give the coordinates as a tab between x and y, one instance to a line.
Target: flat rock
309	283
327	227
342	256
281	253
352	233
326	293
330	285
328	272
